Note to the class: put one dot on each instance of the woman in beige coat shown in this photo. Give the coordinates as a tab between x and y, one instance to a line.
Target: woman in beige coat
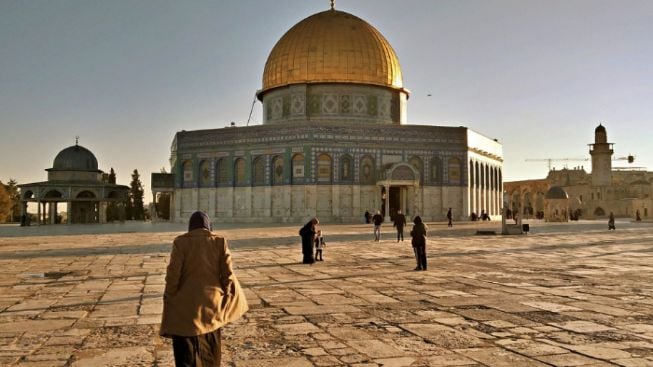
201	295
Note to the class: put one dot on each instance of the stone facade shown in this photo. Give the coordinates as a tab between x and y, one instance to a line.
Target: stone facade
289	172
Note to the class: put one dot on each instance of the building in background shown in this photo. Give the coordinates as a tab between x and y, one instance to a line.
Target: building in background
623	191
76	181
334	142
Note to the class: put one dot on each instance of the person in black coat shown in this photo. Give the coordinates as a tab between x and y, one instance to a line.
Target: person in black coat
400	222
307	234
377	219
419	242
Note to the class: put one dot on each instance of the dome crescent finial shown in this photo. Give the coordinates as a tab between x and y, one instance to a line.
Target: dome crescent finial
333	4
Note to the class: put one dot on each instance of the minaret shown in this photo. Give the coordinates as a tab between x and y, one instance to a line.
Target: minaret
601	152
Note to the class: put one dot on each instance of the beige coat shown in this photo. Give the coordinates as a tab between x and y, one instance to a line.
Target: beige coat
202	293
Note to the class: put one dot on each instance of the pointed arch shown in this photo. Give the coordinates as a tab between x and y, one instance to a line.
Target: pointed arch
367	174
277	170
454	168
239	172
258	171
324	168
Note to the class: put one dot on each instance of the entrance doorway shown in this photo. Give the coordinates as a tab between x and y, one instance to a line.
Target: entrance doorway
395	201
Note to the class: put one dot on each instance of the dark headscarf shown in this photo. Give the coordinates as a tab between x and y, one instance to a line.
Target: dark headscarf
199	220
417	220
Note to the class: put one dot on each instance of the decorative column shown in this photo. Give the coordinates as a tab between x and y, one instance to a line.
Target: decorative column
69	212
52	210
387	203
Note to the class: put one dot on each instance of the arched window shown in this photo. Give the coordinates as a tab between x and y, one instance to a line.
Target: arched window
239	172
476	175
258	171
416	162
297	168
221	172
367	171
346	168
324	168
187	171
57	194
205	173
277	170
453	169
435	169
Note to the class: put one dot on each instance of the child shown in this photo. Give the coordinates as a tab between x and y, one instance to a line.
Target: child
319	246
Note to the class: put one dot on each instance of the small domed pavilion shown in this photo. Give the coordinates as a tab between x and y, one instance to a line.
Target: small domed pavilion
74	179
557	205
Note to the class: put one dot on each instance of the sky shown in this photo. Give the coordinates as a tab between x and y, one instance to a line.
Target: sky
124	76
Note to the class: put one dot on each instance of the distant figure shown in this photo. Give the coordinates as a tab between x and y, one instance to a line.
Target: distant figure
449	218
473	217
319	246
508	214
418	234
377	219
637	216
400	222
201	295
367	217
611	222
307	234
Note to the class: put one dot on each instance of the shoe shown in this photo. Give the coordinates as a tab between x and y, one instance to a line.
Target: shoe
417	269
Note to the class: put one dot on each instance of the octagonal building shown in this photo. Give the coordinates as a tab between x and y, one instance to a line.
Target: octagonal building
334	142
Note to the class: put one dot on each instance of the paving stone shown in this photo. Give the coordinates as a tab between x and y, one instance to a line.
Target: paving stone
374	348
548	298
568	360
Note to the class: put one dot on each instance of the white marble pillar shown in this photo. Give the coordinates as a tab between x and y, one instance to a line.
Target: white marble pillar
387	203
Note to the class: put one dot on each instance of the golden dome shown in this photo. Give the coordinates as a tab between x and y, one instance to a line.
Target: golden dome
332	46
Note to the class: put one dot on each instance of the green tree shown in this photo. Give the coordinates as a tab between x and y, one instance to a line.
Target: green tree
163	205
112	176
5	203
12	190
113	212
135	202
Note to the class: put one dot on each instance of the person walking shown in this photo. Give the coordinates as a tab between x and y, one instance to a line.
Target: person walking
400	222
308	237
611	222
418	234
377	219
202	294
450	218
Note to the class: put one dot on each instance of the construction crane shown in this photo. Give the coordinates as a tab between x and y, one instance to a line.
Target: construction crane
549	161
630	158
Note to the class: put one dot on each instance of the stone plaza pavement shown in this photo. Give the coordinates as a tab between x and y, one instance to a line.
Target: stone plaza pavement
563	295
